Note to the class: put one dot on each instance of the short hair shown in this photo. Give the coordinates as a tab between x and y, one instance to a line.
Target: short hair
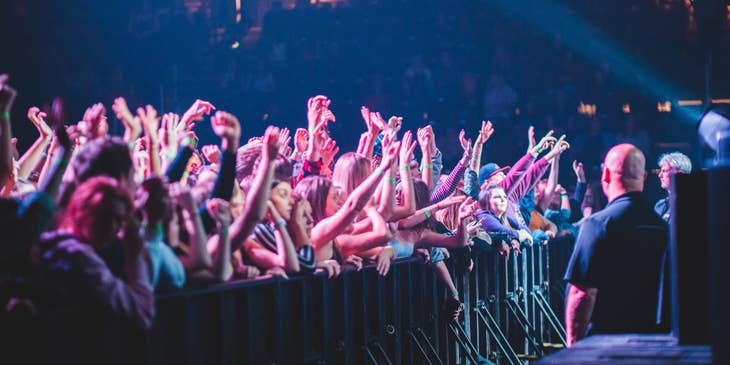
103	157
248	158
676	160
486	194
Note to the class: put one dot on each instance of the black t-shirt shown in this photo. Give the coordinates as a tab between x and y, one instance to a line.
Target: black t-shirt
621	251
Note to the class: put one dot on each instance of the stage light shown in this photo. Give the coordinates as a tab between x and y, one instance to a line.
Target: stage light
714	130
626	108
235	45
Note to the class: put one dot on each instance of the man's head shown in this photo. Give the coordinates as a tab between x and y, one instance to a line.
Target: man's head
491	173
670	164
623	171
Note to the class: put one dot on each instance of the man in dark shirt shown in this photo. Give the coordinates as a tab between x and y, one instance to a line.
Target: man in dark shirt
615	272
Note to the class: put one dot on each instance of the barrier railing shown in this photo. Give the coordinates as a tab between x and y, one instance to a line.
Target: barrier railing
363	318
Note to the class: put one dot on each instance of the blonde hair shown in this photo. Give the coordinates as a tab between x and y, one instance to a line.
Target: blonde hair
350	171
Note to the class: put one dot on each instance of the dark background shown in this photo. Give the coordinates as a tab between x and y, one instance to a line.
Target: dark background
448	63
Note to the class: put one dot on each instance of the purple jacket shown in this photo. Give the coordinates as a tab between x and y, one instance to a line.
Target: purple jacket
76	270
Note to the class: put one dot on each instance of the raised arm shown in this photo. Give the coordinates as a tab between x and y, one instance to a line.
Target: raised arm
452	181
148	117
258	195
132	126
7	98
350	244
198	257
484	134
33	155
456	240
422	215
329	228
424	136
285	256
406	179
219	245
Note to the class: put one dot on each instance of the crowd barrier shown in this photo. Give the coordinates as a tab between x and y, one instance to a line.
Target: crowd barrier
512	313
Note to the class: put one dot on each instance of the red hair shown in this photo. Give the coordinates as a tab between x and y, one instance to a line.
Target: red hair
92	202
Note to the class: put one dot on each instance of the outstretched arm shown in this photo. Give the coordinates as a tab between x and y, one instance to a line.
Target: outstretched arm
329	228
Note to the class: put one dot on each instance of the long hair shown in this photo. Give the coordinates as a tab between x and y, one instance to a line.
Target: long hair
423	198
315	189
350	171
486	194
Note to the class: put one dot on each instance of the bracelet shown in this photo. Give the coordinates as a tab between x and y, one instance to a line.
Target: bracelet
427	166
381	173
563	195
391	180
405	167
427	213
281	223
5	114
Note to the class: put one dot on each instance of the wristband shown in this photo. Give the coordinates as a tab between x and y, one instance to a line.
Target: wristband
281	223
391	180
405	167
5	114
427	166
563	195
427	213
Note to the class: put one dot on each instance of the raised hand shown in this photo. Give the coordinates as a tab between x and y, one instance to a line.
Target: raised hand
579	172
466	146
169	133
196	113
284	139
558	148
544	143
7	94
316	107
220	211
95	120
212	153
424	138
378	121
182	197
395	123
467	208
406	148
270	143
531	138
226	126
560	190
329	151
37	117
301	138
148	118
132	127
390	154
485	132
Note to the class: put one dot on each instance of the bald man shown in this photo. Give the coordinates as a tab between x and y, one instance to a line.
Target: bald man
615	272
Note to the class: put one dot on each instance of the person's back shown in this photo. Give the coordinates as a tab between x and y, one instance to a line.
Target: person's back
628	243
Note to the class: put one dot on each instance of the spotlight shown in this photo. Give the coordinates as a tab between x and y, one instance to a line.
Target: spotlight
714	130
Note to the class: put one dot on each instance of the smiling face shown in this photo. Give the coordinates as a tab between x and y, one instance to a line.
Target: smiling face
282	199
498	201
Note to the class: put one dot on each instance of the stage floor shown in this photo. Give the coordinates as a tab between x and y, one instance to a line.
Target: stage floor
630	350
